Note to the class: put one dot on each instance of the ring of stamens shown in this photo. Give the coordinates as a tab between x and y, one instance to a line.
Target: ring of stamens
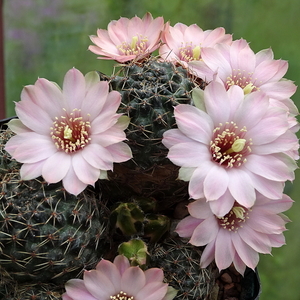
71	132
235	219
121	296
137	46
188	52
228	146
243	79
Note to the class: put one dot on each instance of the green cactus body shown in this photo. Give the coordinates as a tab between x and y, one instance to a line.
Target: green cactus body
181	265
150	90
46	234
44	291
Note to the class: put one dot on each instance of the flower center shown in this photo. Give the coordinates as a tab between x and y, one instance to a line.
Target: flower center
121	296
137	46
243	79
189	52
235	218
229	146
71	133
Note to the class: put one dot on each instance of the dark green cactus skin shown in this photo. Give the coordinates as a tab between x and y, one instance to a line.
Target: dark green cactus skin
46	234
180	263
149	93
44	291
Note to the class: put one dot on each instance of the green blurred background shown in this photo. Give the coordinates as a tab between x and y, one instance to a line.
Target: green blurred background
45	38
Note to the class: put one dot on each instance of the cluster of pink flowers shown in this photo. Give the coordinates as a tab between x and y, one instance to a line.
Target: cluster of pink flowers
236	146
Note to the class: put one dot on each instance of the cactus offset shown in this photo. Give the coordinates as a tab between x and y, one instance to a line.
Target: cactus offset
181	265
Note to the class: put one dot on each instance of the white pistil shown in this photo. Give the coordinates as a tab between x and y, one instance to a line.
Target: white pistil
68	133
196	53
239	212
134	40
248	88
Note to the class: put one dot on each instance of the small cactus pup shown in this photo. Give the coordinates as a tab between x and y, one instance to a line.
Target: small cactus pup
150	89
46	234
180	262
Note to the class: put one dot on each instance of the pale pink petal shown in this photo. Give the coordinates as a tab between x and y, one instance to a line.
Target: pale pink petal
279	90
223	205
17	126
48	96
76	290
154	274
34	117
28	152
267	130
215	183
83	170
268	166
194	123
248	255
208	254
95	99
224	249
199	209
74	89
256	240
174	136
120	152
186	226
241	187
133	280
239	265
188	154
270	189
98	284
252	109
111	272
216	103
31	171
52	170
205	232
72	184
153	290
266	223
98	157
196	187
122	263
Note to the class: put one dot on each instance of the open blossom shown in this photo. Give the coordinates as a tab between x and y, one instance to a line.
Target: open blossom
73	134
235	144
128	39
237	64
118	281
240	235
183	43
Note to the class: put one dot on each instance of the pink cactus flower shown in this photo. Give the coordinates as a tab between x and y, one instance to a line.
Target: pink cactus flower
239	236
237	64
117	281
73	134
231	145
183	43
128	39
